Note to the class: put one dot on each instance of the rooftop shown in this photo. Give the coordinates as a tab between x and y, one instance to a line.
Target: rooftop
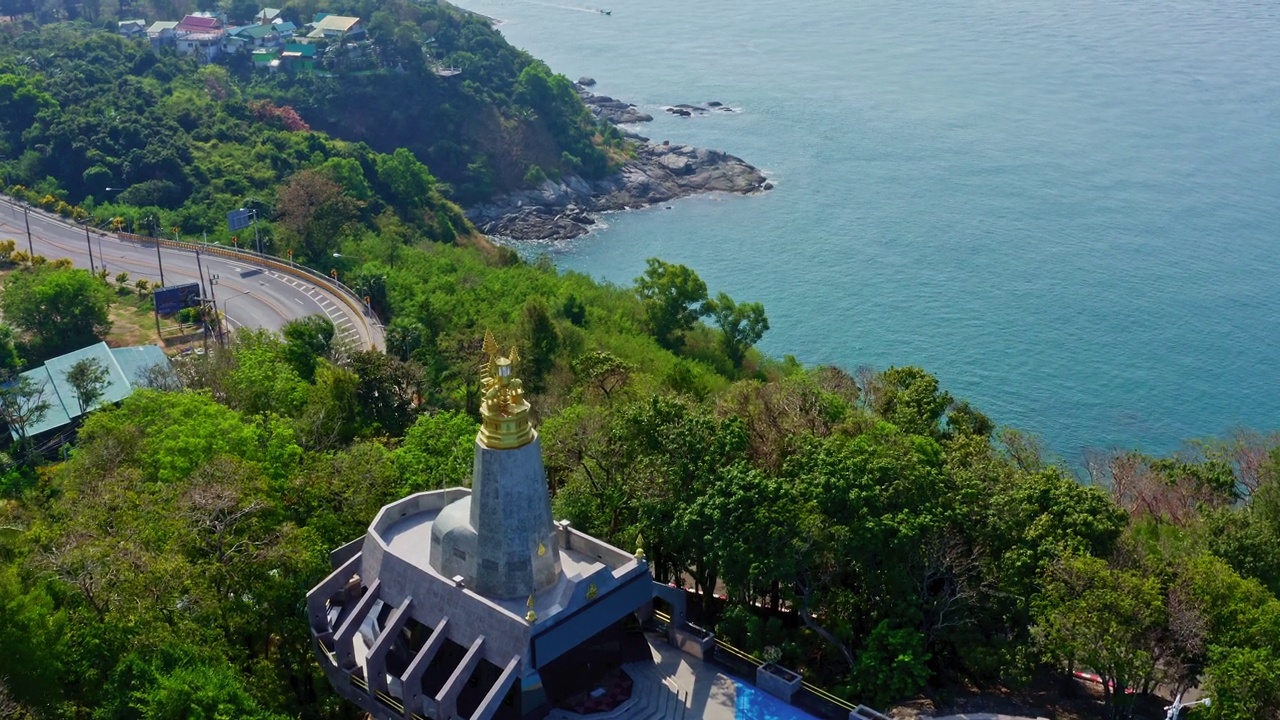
299	50
124	365
257	32
335	23
404	528
197	23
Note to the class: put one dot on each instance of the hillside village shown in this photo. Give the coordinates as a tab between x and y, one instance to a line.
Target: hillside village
273	42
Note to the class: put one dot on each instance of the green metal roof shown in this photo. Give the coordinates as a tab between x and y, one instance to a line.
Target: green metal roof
302	49
124	367
257	32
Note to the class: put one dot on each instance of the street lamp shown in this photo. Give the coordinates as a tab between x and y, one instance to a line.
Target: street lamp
102	259
1176	708
226	305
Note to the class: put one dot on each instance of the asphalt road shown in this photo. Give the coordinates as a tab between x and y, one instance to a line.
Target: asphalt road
247	295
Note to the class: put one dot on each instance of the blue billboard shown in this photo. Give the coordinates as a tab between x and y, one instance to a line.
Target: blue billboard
239	219
173	298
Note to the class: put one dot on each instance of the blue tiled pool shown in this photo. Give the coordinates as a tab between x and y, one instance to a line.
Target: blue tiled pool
753	703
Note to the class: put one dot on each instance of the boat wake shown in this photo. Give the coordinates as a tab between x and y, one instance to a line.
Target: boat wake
574	8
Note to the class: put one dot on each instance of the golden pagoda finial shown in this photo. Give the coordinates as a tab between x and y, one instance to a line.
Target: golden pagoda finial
639	546
531	616
503	410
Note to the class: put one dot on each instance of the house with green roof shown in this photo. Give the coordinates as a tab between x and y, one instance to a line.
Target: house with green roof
296	57
257	36
126	368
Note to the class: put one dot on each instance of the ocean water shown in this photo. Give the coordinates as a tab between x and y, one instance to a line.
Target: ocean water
1067	210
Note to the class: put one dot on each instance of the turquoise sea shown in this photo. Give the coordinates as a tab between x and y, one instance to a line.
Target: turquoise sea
1068	210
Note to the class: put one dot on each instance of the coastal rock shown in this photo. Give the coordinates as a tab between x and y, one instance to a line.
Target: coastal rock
677	164
658	173
715	103
585	81
611	110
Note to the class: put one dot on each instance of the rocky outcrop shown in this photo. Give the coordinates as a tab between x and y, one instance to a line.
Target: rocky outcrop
658	173
614	111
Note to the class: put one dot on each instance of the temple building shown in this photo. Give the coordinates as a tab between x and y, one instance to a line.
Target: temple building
472	602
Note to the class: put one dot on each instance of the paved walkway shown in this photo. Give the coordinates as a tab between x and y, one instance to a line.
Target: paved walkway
711	693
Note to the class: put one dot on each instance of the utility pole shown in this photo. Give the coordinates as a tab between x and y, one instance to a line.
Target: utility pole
89	242
26	217
204	308
213	282
159	264
257	239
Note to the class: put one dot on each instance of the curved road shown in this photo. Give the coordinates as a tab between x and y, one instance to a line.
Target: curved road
247	294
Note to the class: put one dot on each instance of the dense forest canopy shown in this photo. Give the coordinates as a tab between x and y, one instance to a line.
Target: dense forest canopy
884	536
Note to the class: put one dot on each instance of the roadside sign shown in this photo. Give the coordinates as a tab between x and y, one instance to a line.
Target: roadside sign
239	219
170	299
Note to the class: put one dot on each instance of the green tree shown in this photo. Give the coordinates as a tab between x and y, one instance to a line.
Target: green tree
892	664
437	452
388	392
1093	617
741	326
1244	683
348	173
61	309
306	341
10	360
674	297
262	379
541	341
22	404
200	692
89	379
910	398
406	181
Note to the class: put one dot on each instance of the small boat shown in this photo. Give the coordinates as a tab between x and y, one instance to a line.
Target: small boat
606	12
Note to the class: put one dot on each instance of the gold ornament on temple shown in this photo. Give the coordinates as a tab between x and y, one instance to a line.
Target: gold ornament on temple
504	412
531	616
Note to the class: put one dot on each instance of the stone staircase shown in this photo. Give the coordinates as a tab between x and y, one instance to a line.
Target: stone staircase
653	697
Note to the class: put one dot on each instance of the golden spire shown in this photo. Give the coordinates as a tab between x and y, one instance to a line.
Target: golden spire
504	411
531	616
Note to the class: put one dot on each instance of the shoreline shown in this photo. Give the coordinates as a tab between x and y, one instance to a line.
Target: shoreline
660	172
